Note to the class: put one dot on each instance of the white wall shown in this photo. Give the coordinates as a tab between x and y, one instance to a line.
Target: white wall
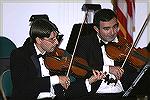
15	17
140	16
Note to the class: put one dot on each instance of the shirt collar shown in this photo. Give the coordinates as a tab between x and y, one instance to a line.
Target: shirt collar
99	39
38	51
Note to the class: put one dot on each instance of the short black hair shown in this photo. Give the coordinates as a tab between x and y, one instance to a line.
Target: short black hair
41	28
39	16
104	15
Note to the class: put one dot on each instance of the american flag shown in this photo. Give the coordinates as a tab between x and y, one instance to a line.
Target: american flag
125	10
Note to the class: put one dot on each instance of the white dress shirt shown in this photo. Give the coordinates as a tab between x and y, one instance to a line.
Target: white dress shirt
45	72
112	87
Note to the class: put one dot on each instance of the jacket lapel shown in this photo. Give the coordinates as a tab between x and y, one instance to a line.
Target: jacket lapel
29	48
36	63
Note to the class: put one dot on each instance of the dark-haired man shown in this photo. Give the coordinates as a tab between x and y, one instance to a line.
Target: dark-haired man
31	79
92	49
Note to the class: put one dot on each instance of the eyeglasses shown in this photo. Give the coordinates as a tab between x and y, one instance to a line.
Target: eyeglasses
59	37
52	40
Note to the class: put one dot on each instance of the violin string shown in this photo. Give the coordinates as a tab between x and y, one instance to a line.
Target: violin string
137	38
76	44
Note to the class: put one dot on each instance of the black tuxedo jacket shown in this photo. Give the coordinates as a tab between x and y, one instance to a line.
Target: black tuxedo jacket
89	49
26	76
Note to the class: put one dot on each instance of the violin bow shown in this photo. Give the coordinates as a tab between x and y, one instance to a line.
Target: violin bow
72	57
137	38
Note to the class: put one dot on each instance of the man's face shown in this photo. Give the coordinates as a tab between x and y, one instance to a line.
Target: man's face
49	44
108	30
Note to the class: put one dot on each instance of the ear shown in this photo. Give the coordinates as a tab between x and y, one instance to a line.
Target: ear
96	29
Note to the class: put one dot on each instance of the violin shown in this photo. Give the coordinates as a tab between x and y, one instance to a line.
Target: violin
118	51
58	62
125	51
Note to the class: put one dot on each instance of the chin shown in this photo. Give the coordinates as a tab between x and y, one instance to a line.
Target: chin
50	50
110	39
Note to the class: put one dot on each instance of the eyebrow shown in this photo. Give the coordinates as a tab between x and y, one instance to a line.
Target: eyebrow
112	26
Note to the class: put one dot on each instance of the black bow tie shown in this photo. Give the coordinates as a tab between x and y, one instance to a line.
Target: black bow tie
40	55
101	43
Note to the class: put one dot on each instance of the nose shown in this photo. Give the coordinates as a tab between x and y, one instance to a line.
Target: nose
112	31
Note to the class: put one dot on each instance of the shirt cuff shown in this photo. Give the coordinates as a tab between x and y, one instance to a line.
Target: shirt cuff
54	80
88	85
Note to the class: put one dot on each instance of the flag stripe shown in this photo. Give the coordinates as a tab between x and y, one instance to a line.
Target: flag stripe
122	19
125	10
129	6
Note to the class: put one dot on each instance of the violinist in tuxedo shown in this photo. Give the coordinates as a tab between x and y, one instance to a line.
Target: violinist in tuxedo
92	49
30	77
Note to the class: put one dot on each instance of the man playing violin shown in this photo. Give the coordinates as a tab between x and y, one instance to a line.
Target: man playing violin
115	80
31	79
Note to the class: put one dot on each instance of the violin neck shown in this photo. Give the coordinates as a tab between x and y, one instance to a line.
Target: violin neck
88	68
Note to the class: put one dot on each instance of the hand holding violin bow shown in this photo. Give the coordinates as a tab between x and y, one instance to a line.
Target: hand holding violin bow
64	81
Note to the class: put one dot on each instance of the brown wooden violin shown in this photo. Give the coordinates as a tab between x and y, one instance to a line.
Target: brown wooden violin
118	51
57	61
125	51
